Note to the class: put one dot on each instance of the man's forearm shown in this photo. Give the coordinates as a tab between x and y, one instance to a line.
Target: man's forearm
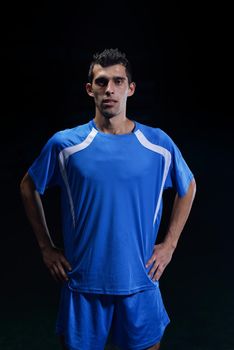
35	212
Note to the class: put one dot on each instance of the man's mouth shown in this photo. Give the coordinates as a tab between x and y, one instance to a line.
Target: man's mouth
108	102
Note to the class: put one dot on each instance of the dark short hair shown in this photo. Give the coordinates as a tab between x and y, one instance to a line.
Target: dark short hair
110	57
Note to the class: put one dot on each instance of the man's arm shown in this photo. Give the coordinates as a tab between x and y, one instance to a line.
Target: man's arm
163	252
52	256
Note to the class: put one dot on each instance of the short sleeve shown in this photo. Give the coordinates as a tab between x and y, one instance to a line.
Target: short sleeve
179	175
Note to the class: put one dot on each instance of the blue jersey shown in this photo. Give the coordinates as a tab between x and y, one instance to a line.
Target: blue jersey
111	198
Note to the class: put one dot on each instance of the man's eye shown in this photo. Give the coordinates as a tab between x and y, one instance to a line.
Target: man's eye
101	82
118	81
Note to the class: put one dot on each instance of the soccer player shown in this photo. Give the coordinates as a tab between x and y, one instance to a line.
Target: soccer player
112	172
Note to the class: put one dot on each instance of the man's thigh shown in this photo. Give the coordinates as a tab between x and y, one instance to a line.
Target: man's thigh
63	346
84	320
139	320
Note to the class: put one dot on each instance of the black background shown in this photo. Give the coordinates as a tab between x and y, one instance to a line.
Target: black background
183	66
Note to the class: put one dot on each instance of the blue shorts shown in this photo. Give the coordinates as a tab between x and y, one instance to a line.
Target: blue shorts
136	321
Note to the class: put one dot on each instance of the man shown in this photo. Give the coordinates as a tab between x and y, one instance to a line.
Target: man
112	172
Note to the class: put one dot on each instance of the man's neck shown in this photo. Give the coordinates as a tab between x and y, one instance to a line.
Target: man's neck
114	125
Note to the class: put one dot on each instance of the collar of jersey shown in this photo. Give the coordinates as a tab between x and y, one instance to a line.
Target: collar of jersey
93	124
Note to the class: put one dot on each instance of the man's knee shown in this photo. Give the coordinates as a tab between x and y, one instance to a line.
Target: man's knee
154	347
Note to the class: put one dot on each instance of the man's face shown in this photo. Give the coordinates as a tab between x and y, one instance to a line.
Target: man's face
110	89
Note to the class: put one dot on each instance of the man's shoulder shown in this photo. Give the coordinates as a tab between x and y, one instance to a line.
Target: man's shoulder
154	134
69	136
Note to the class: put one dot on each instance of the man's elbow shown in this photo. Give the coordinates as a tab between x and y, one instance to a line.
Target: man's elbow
192	188
26	186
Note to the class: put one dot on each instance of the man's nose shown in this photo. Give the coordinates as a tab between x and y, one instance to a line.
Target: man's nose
110	88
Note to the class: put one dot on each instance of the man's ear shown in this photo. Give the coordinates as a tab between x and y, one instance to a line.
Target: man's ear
89	89
131	89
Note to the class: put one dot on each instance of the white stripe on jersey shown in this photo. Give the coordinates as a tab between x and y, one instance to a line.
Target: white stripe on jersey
63	156
166	154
